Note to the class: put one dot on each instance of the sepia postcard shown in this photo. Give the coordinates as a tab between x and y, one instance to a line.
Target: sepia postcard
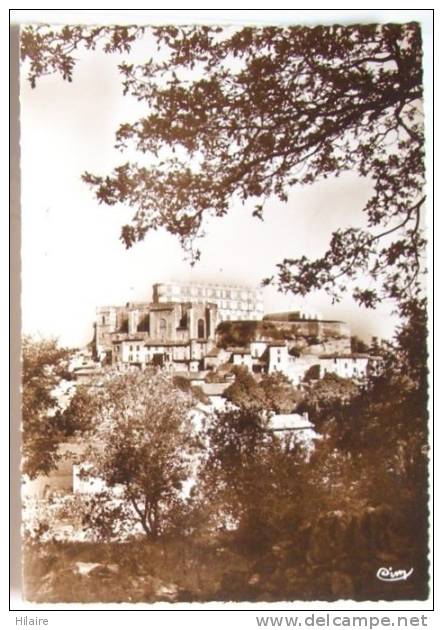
224	313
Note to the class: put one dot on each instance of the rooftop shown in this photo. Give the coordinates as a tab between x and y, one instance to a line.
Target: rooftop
349	355
199	285
289	422
168	344
239	350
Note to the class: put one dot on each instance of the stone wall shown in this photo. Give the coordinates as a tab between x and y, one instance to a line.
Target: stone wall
301	336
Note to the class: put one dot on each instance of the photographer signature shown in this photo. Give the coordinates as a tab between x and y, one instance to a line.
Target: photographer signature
390	575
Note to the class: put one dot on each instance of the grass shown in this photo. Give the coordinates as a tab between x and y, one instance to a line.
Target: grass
147	571
186	570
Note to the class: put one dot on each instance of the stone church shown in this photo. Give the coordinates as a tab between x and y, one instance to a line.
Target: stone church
177	327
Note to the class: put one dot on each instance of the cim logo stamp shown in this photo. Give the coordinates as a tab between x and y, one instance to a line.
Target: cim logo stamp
391	575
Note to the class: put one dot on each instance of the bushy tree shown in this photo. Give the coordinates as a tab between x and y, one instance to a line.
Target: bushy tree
142	446
44	366
245	391
280	394
330	394
250	475
78	416
270	393
375	446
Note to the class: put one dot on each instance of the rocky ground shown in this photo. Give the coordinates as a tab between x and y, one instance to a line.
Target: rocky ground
337	558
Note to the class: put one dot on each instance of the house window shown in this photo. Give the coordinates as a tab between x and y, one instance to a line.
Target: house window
130	348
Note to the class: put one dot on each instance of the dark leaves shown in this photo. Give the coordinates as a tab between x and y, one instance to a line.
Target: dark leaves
44	365
250	113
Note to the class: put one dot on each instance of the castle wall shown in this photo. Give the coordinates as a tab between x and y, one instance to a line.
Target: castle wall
306	336
233	302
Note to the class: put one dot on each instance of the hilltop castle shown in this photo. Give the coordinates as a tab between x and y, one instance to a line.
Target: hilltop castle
178	326
198	328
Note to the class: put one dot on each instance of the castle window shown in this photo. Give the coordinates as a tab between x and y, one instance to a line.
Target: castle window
201	329
103	319
162	328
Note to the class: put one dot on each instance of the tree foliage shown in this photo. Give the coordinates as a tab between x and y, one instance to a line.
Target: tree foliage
383	427
142	443
330	393
358	345
273	393
44	366
78	416
250	477
247	114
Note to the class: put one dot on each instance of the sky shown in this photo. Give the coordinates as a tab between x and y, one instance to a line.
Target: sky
72	258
